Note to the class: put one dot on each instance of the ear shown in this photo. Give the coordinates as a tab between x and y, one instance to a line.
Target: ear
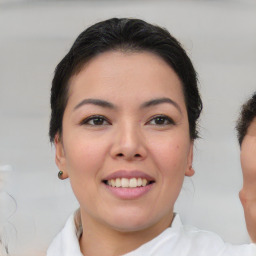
60	158
190	171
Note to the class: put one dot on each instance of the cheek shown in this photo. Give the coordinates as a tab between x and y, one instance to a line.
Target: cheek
172	155
171	160
84	156
248	153
84	160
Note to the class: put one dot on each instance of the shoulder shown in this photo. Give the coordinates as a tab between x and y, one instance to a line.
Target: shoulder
202	242
190	241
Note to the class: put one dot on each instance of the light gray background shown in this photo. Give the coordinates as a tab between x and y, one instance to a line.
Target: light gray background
220	37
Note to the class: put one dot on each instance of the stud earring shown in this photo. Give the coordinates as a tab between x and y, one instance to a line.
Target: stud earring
60	173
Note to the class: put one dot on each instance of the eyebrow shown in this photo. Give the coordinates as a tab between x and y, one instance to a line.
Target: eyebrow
106	104
97	102
157	101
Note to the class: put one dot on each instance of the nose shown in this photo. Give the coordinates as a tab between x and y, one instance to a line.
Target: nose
128	144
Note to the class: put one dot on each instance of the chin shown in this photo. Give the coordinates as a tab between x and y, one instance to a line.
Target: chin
131	221
127	227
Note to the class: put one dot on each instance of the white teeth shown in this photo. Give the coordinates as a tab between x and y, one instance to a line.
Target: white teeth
124	183
113	183
133	183
144	182
118	183
127	183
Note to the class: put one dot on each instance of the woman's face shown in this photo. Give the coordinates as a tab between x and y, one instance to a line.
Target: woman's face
125	141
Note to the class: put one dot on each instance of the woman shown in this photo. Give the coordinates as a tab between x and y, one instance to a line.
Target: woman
125	104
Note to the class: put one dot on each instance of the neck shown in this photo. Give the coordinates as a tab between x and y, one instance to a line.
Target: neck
98	239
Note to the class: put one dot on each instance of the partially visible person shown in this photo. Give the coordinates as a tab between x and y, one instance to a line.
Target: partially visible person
246	129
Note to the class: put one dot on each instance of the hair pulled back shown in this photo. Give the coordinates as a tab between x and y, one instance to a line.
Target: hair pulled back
129	35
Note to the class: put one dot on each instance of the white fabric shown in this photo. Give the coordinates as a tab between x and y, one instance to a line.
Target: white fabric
177	240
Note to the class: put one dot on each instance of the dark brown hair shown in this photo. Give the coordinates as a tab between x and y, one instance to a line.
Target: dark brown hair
247	114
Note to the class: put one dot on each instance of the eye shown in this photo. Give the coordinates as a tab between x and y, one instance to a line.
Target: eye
160	120
95	120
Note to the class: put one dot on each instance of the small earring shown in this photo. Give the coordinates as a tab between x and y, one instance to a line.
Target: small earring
60	173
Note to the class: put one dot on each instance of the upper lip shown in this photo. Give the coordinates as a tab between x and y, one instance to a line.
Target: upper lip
128	174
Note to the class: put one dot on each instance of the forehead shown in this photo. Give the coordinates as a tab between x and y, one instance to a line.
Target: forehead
118	74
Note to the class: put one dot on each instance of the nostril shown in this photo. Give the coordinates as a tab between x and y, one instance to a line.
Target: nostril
137	155
120	154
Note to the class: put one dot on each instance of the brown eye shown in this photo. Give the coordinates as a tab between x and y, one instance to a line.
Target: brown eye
95	121
161	120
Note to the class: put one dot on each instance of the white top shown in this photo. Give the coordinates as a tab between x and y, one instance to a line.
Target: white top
177	240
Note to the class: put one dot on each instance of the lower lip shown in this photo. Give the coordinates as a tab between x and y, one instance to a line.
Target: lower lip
129	193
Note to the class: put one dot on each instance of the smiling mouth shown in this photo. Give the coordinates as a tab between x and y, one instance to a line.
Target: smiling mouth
128	183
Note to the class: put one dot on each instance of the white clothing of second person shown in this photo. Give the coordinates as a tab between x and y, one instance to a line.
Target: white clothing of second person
177	240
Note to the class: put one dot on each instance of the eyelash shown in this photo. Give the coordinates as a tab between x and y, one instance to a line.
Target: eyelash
167	120
96	118
104	121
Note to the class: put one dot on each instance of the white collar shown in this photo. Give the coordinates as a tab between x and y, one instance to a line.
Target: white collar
66	243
